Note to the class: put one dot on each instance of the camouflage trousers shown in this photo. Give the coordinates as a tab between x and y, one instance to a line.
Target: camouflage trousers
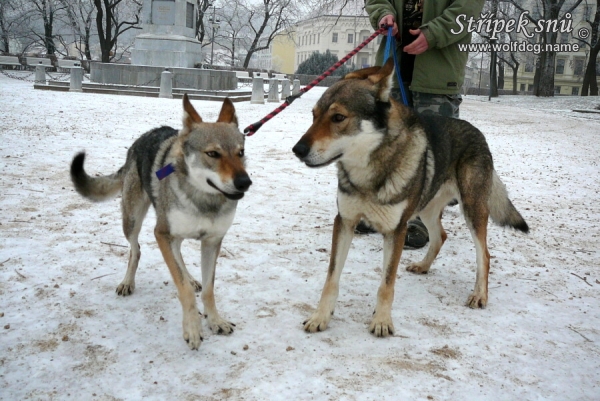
429	103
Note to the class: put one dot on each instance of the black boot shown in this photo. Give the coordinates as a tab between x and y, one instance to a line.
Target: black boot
417	235
364	228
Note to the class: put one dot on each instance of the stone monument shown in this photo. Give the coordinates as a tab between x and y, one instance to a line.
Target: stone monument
168	35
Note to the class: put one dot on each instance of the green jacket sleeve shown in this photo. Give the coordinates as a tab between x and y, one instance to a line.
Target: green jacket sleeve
377	9
438	30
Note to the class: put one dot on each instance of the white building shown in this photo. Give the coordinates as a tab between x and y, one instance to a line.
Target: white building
338	34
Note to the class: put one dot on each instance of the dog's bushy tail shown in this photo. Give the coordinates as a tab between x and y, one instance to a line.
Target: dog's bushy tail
502	211
96	189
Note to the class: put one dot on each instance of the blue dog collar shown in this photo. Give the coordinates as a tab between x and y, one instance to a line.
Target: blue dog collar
165	171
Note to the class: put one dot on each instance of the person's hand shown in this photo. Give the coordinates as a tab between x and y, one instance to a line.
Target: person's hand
389	20
419	45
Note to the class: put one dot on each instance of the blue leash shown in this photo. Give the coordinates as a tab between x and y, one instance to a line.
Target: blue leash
388	46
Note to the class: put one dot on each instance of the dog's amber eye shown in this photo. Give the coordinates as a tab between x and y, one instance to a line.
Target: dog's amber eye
338	118
213	154
241	154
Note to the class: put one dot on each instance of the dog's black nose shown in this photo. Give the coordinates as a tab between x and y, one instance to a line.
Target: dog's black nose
301	150
242	182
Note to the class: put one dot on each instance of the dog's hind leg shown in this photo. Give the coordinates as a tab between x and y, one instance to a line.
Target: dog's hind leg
478	228
134	206
343	232
210	251
192	320
476	212
431	216
437	237
393	243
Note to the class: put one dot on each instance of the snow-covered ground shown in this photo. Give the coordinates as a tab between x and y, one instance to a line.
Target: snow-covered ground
66	335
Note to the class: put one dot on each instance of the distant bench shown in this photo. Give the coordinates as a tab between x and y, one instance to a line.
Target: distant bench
10	60
35	61
69	63
243	76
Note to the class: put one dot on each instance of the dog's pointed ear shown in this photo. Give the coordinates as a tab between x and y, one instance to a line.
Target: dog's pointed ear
227	114
383	80
362	74
190	115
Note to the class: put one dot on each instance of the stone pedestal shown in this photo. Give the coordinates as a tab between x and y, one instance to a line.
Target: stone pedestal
76	83
168	35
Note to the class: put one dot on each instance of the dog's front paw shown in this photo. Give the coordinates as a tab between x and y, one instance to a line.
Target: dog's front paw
382	326
317	322
125	289
477	300
418	268
220	326
192	330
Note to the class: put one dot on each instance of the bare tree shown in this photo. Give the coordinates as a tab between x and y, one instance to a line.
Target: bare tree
549	10
5	25
234	23
590	83
510	58
202	7
109	25
315	8
265	21
39	18
79	15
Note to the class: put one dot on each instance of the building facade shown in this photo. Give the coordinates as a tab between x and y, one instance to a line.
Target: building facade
338	34
570	65
283	52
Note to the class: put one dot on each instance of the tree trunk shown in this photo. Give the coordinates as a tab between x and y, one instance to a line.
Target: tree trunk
4	35
590	83
546	85
515	70
86	41
48	18
104	26
500	75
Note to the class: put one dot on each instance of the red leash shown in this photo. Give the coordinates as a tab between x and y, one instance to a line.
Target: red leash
252	128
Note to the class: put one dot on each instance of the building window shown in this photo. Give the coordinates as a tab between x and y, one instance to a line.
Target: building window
560	66
557	90
189	16
529	66
578	67
334	37
364	62
530	88
522	89
564	37
350	38
575	91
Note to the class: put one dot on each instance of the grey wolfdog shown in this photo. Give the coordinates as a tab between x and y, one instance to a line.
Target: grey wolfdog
203	172
393	165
